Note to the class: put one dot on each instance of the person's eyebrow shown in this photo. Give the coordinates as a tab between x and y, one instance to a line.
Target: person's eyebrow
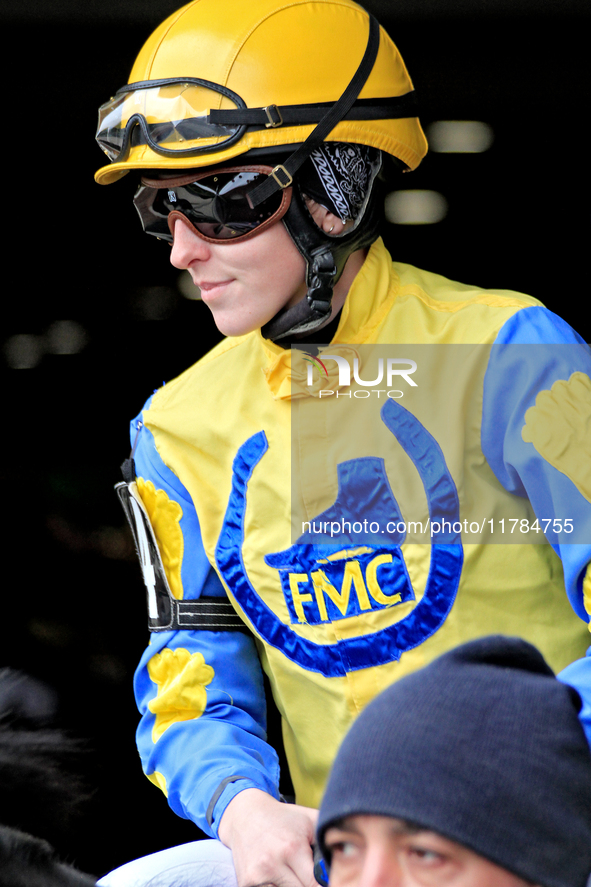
399	826
345	825
405	827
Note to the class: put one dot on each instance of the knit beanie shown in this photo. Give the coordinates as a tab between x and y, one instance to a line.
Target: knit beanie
483	746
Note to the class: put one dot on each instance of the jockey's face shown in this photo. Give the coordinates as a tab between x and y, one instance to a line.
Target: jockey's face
243	284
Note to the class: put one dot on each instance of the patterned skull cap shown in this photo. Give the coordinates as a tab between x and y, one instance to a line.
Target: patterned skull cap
339	175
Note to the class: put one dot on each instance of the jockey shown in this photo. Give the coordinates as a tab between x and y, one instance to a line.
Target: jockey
336	535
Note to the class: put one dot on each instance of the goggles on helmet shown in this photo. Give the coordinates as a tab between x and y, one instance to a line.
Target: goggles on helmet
177	116
172	116
215	204
190	116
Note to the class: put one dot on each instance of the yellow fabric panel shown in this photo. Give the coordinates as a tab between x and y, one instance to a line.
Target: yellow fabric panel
182	678
519	591
165	516
243	385
559	427
391	302
159	780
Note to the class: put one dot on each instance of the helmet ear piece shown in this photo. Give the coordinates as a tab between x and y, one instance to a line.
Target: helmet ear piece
315	308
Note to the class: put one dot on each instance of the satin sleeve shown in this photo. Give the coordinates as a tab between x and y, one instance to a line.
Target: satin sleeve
536	436
202	733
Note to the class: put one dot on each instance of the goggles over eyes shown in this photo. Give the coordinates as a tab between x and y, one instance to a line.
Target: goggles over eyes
215	204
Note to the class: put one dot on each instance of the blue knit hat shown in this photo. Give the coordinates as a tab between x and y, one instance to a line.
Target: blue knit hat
483	746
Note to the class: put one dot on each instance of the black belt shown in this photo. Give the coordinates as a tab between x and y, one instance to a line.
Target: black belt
207	613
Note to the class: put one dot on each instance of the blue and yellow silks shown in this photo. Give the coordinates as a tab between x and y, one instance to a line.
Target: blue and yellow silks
334	624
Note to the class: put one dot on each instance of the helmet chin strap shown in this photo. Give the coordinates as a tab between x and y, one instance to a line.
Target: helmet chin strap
325	257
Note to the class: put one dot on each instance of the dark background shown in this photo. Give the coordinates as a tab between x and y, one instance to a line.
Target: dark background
73	601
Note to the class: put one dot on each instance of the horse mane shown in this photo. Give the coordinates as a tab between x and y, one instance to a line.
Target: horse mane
41	789
26	861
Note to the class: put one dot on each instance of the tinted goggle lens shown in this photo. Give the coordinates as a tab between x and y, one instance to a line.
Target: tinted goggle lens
215	204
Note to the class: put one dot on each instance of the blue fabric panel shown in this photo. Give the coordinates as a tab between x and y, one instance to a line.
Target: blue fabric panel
425	452
364	495
228	738
578	675
393	578
522	364
379	647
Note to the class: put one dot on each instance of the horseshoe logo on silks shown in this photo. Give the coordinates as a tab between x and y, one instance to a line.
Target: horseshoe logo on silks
387	644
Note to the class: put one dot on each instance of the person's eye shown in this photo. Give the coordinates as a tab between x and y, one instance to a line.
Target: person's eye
426	856
342	849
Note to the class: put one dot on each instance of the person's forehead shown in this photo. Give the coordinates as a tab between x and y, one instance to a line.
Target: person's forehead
360	821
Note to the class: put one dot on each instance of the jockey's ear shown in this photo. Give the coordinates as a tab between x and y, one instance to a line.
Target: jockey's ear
326	220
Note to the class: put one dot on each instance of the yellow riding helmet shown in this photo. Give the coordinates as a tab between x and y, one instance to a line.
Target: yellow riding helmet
289	63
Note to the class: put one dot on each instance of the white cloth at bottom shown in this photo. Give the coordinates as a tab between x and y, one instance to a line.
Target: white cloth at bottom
198	864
